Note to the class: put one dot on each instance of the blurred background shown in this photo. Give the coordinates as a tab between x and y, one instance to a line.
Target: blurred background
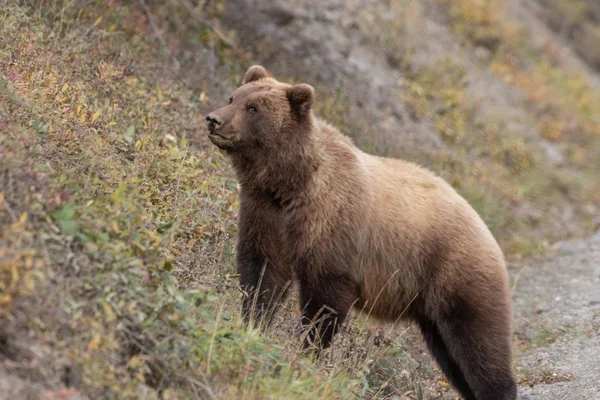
118	217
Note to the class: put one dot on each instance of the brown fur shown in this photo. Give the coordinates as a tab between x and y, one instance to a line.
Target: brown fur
353	229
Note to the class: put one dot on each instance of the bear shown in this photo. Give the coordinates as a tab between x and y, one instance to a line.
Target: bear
354	230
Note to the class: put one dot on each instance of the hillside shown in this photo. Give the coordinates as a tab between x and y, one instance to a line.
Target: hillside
118	217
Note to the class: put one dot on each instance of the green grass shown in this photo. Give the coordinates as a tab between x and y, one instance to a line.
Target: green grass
546	335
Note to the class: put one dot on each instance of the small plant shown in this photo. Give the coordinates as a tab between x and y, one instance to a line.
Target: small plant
545	336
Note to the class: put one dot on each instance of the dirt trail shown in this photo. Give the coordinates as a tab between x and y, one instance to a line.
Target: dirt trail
557	310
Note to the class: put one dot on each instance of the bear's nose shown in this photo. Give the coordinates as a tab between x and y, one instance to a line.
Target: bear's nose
214	119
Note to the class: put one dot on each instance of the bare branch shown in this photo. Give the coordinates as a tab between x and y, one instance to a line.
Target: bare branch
207	23
157	32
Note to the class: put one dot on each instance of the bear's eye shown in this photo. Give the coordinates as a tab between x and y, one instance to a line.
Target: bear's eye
230	100
252	109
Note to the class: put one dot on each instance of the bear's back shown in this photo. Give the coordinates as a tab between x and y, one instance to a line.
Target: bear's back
407	216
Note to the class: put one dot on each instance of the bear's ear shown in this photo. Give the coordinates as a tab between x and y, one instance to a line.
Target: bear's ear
255	73
301	98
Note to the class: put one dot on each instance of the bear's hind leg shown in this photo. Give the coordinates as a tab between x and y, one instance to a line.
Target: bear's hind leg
438	348
478	340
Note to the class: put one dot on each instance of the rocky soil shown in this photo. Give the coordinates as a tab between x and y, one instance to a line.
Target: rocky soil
557	311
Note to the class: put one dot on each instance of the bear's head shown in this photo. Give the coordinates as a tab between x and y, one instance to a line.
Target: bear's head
263	115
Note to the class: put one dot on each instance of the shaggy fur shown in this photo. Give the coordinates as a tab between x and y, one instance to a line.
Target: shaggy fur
356	230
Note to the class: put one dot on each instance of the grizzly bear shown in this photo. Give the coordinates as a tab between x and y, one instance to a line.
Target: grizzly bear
354	230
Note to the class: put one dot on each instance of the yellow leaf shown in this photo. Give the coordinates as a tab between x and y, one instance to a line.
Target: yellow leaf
14	277
78	108
94	342
108	312
166	102
20	224
5	300
135	362
203	98
95	116
98	20
64	87
82	118
28	285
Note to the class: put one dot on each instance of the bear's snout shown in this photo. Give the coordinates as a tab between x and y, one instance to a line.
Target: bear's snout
213	120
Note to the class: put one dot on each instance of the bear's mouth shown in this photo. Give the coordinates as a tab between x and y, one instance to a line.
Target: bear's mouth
219	140
215	135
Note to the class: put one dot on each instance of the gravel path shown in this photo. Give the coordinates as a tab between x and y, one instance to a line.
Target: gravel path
557	316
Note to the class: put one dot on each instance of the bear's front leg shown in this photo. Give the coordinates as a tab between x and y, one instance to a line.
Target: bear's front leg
326	300
265	284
